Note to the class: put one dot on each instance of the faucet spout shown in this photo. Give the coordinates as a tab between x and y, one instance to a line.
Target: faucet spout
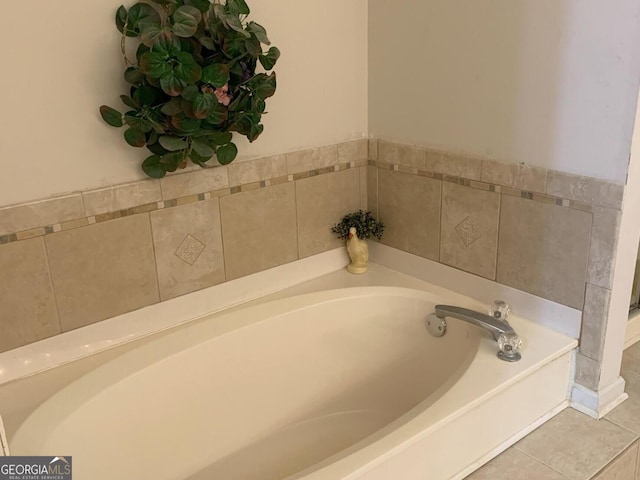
495	326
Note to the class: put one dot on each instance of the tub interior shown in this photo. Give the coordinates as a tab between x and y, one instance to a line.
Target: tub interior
261	402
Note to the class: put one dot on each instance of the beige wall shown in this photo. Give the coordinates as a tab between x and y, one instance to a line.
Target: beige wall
62	62
549	83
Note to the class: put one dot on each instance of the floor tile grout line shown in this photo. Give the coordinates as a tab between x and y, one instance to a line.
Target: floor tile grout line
537	460
618	424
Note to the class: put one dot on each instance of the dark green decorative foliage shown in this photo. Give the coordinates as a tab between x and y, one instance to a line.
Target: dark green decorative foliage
365	224
193	82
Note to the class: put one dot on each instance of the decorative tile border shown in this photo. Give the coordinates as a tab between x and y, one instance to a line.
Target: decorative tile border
565	190
489	187
540	182
175	202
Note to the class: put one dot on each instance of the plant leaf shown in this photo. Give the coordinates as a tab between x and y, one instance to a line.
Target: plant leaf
218	114
172	85
121	18
154	64
239	7
133	76
203	105
171	161
185	124
234	23
140	16
172	107
220	138
202	5
207	43
269	60
254	131
202	148
199	159
263	85
150	34
152	167
128	101
167	44
111	116
187	68
216	75
259	31
185	21
134	121
172	143
227	153
148	96
135	138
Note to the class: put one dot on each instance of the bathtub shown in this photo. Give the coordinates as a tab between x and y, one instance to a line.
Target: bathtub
333	384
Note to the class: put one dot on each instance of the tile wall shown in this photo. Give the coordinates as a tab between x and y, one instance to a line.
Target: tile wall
549	233
82	258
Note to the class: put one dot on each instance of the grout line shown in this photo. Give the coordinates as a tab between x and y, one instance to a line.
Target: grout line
224	261
295	204
440	210
53	284
537	460
155	257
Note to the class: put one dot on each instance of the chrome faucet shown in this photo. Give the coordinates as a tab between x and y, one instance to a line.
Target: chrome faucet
508	341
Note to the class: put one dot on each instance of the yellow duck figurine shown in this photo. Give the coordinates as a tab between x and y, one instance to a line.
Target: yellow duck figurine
358	251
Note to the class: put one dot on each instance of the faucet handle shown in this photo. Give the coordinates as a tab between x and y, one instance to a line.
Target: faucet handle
499	309
509	345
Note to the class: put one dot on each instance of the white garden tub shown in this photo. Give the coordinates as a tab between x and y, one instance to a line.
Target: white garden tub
338	384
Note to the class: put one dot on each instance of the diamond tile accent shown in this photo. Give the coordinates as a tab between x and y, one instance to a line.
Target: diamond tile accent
190	249
468	232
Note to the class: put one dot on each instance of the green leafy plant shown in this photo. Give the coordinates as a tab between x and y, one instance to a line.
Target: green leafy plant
193	82
365	224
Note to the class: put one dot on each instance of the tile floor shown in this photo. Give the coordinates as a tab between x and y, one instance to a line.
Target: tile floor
572	446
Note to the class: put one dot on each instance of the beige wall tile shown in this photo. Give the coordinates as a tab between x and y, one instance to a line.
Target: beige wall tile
354	151
103	270
364	199
399	154
454	165
241	173
624	467
604	240
516	175
199	181
515	465
575	444
27	303
259	229
587	371
121	197
469	230
188	248
373	149
594	319
372	191
339	193
590	190
627	414
312	159
409	206
543	249
41	213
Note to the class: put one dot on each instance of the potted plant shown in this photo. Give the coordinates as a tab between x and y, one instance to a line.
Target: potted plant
356	228
193	81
